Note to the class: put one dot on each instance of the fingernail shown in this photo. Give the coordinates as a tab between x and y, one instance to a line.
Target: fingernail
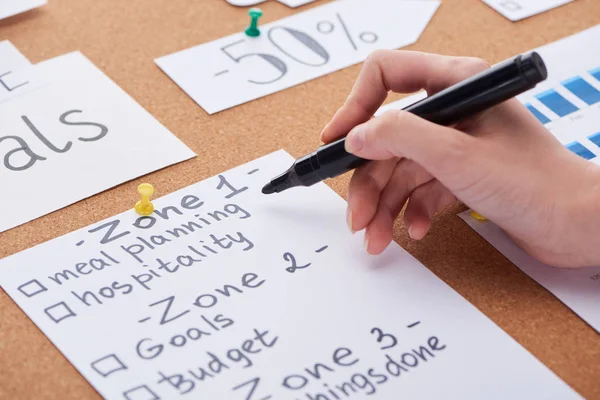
366	242
349	221
410	232
356	139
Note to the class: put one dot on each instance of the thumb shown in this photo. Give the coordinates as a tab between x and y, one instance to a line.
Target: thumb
401	134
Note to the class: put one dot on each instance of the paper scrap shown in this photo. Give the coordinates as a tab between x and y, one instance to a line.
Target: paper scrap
8	8
518	9
237	69
76	136
225	293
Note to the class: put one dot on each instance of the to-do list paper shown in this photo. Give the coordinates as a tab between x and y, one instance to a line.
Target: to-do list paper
226	293
235	69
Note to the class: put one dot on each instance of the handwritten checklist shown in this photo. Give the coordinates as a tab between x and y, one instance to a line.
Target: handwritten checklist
68	131
226	293
237	69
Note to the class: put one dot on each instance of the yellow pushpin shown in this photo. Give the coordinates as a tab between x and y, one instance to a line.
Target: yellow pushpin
144	206
478	216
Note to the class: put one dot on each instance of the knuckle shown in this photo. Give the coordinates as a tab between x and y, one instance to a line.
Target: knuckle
477	64
400	117
375	56
391	122
464	67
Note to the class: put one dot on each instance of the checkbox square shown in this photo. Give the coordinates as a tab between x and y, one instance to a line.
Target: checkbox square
59	312
108	365
32	288
141	392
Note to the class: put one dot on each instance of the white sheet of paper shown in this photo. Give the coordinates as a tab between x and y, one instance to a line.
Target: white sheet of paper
8	8
570	61
73	138
12	63
11	58
236	69
577	288
519	9
24	80
224	291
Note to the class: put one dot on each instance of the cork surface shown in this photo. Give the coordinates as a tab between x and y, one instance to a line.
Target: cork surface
124	37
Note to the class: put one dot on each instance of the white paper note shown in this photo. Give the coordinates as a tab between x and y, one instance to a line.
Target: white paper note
225	293
12	61
8	8
236	69
73	138
11	58
519	9
569	105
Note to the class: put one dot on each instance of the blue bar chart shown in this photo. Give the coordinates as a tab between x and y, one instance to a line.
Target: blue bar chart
556	102
582	89
541	117
569	109
596	73
595	138
581	150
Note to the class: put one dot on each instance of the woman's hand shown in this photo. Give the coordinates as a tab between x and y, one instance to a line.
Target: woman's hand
502	163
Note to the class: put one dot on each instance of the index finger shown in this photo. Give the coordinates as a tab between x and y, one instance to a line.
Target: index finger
398	71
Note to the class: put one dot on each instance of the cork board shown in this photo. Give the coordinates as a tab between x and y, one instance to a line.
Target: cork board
123	37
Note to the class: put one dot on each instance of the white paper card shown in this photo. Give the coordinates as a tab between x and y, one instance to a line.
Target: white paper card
236	69
225	293
8	8
519	9
73	138
579	289
568	103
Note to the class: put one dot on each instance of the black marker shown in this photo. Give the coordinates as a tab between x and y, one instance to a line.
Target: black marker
465	99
